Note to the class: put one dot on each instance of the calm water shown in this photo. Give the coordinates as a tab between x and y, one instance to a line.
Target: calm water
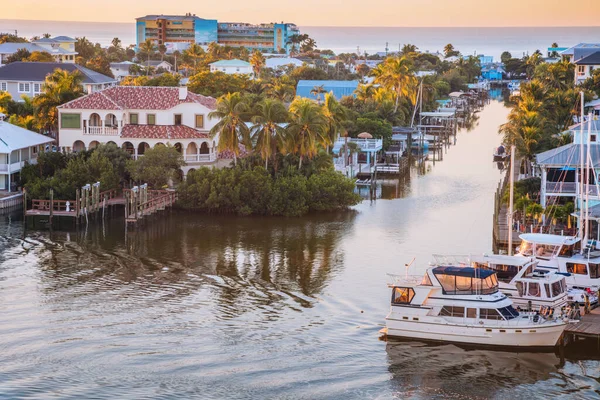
197	306
490	41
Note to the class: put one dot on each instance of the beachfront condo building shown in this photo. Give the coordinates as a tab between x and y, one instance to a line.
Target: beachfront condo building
177	31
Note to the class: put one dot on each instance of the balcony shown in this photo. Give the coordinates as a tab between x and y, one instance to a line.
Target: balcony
14	167
200	158
567	188
101	131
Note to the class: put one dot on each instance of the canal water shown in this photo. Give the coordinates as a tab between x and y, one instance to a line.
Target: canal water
211	307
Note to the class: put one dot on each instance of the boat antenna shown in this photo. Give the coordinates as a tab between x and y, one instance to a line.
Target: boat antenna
587	182
407	266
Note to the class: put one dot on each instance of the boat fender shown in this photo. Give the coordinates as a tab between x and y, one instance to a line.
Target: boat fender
536	318
480	322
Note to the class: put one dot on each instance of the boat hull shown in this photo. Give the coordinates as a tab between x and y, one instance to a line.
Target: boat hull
539	335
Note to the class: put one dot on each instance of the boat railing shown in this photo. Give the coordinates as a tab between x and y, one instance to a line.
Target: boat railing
409	280
452	259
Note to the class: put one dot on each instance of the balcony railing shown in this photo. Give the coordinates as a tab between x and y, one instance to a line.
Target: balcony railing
101	130
561	187
200	157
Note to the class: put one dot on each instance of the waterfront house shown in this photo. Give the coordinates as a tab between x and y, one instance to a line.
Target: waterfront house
585	64
231	67
27	78
121	69
159	65
338	88
561	167
280	62
492	72
138	118
17	147
569	54
62	48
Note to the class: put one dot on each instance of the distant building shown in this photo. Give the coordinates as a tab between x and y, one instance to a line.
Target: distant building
485	60
582	49
231	67
158	64
121	69
17	147
173	29
493	72
27	78
62	48
338	88
137	118
277	62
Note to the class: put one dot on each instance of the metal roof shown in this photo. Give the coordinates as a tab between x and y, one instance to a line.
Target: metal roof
592	59
338	88
231	63
37	72
14	137
546	238
567	155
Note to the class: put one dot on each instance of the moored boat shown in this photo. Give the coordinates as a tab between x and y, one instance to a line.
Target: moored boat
464	305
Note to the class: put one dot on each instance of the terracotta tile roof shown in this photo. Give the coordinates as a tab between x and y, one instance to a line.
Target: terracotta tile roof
137	98
161	132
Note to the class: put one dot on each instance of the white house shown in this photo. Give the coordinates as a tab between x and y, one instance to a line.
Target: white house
280	62
27	78
62	48
585	65
231	67
121	69
17	147
138	118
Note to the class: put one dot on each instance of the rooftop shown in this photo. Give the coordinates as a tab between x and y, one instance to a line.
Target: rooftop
546	238
339	88
37	72
592	59
231	63
137	98
161	132
567	155
14	137
571	50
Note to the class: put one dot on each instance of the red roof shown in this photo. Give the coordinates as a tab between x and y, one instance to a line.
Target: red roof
161	132
137	98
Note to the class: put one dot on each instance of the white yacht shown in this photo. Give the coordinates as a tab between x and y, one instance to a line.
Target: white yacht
530	286
561	253
464	305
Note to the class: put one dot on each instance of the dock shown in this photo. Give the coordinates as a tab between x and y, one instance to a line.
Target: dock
587	328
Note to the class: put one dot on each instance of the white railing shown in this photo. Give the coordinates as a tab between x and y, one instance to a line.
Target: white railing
363	144
101	130
3	167
561	187
200	157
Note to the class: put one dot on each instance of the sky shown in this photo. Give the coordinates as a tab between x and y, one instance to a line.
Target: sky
384	13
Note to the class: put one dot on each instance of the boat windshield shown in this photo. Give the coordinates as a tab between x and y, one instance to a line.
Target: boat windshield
559	287
540	250
526	248
466	280
508	312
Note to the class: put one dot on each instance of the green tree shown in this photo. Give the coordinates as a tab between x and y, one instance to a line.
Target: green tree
267	129
257	60
40	56
307	129
19	55
158	167
397	74
317	91
505	57
147	48
231	128
335	117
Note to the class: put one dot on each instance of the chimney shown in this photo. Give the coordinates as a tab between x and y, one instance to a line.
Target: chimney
183	93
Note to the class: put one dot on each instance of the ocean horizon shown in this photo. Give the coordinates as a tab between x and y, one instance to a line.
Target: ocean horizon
468	40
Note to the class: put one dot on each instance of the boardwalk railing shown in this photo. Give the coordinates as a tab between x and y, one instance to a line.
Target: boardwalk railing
141	202
54	205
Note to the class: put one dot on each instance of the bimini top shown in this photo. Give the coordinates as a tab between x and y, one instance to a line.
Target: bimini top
545	238
468	272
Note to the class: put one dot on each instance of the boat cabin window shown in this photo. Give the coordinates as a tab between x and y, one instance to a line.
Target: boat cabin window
471	313
594	270
520	288
545	250
504	272
533	289
567	250
473	281
489	313
557	288
402	295
508	312
526	248
548	293
576	268
449	311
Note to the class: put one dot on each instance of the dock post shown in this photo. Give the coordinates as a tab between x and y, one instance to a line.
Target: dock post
77	205
51	206
24	204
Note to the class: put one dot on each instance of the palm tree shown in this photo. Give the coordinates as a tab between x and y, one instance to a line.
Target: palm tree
282	91
231	128
195	52
335	116
307	129
397	74
162	49
60	87
364	92
116	43
449	50
148	49
317	91
268	134
257	60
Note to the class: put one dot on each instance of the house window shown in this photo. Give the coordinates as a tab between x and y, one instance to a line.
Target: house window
24	87
37	88
593	138
199	121
3	86
151	119
177	119
581	69
133	119
70	121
